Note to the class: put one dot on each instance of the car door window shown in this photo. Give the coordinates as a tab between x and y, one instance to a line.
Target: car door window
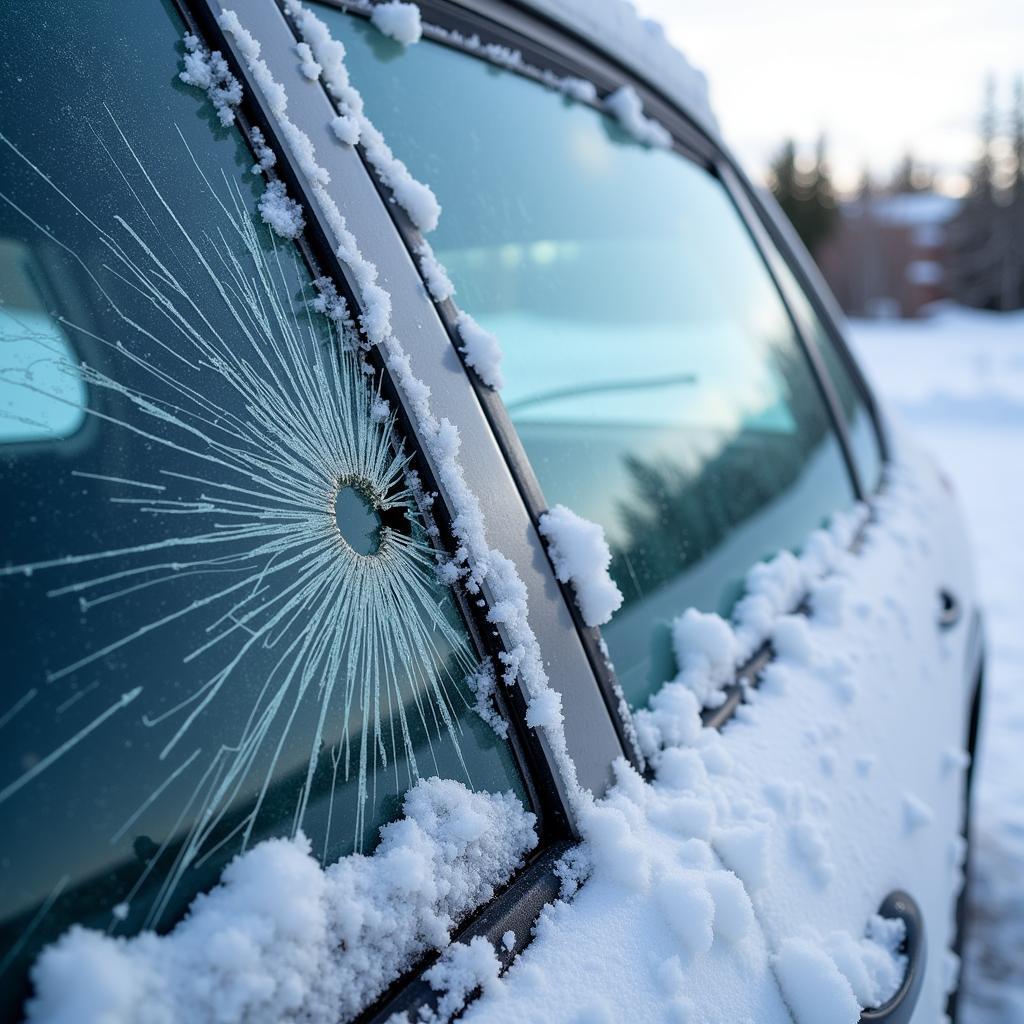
222	616
653	373
864	443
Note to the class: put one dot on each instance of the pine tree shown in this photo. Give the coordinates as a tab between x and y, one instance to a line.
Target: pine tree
866	185
806	197
1015	214
1018	140
983	179
980	238
910	176
784	181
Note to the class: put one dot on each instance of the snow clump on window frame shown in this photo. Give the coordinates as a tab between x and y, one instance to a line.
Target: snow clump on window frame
399	20
580	555
282	214
626	107
282	939
481	349
209	72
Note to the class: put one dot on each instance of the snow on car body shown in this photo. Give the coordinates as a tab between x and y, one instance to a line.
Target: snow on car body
580	504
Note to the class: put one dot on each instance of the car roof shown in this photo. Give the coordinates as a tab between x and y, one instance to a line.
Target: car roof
640	45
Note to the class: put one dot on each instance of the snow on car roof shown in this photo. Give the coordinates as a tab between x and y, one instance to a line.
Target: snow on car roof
640	44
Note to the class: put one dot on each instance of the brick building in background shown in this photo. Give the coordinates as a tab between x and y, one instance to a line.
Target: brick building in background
888	255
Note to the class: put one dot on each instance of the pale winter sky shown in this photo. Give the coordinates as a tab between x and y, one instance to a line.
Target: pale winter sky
878	75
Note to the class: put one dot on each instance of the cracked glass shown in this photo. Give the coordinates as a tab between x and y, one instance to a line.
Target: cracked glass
222	618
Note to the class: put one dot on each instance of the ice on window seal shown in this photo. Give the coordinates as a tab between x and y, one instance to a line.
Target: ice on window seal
581	556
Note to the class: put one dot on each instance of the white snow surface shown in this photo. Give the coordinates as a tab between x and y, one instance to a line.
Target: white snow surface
725	890
581	556
957	378
400	21
282	940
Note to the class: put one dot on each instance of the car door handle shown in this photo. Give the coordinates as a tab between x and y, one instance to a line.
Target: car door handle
949	609
900	1008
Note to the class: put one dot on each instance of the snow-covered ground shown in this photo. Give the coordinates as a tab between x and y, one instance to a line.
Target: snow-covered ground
957	380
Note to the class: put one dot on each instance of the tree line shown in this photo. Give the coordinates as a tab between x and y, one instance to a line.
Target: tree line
986	237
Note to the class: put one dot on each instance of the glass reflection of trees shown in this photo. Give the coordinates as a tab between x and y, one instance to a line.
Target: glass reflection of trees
674	515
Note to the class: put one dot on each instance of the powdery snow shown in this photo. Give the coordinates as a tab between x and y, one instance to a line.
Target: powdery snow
438	283
283	214
265	156
709	650
209	72
730	880
400	21
581	556
815	989
957	378
483	683
281	939
310	68
705	648
462	970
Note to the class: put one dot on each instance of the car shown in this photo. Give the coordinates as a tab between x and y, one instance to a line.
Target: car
453	563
